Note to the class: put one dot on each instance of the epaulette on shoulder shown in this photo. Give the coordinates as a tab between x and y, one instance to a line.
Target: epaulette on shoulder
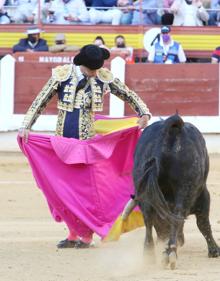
62	72
105	75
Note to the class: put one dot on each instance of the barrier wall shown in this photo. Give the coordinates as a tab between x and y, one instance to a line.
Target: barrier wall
190	89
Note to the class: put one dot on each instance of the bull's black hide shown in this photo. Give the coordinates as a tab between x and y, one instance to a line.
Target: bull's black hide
171	165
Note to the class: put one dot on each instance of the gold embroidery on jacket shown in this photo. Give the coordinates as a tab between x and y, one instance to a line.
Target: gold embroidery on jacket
62	72
60	122
78	103
65	106
97	95
105	75
86	124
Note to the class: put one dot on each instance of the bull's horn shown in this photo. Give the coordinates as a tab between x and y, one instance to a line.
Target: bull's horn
128	208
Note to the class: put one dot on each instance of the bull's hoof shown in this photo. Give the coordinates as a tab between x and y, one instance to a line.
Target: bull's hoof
214	252
172	260
165	259
169	258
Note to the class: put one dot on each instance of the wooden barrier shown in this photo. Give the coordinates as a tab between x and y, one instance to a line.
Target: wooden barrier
192	89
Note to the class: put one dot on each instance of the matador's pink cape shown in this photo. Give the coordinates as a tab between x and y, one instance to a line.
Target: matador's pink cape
85	181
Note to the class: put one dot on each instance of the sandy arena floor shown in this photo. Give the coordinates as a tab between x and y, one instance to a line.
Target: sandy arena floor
28	238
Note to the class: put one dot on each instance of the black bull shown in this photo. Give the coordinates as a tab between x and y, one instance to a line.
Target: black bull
171	165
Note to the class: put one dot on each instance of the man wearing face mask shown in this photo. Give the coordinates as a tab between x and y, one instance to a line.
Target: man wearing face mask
165	50
33	42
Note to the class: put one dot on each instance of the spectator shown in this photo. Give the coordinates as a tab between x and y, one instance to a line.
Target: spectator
189	13
214	14
167	17
127	8
43	12
165	50
100	42
33	42
150	12
121	48
24	12
216	56
61	46
108	13
67	12
4	17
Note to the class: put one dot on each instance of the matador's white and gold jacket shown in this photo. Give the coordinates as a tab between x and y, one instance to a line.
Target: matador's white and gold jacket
76	109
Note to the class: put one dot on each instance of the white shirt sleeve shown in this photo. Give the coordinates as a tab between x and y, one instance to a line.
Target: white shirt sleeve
151	54
181	54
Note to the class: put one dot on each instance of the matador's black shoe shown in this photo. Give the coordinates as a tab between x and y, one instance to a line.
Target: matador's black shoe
67	244
82	245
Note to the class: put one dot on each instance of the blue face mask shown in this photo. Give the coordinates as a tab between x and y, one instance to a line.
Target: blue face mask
166	38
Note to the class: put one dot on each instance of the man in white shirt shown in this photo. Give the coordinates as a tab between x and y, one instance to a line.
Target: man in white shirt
165	50
189	13
67	12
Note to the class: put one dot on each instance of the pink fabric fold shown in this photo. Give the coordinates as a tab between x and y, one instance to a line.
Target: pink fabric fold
73	151
86	183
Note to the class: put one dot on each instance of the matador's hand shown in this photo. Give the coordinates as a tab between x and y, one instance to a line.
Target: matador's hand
24	133
143	121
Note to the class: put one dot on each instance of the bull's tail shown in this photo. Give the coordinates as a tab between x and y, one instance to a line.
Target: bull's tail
131	204
150	192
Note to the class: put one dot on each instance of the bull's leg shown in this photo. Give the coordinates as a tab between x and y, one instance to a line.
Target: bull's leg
202	217
148	242
148	214
176	231
180	237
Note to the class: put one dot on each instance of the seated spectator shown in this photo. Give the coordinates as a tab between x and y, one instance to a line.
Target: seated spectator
165	50
66	12
121	48
216	56
189	13
33	42
99	41
108	13
127	8
61	46
24	12
35	12
167	17
4	17
214	14
150	12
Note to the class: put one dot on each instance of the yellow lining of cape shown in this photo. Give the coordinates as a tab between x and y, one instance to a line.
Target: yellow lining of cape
134	221
105	126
